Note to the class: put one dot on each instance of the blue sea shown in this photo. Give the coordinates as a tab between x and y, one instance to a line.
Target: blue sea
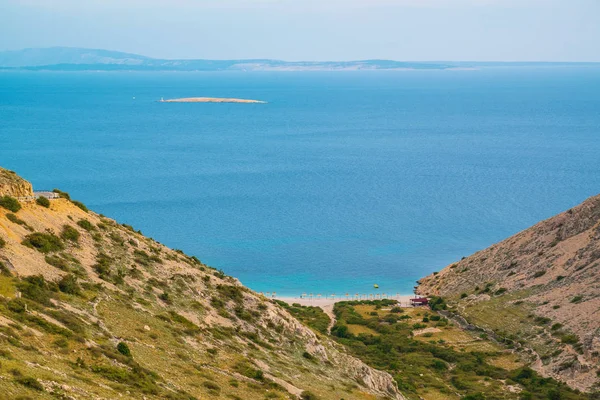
341	181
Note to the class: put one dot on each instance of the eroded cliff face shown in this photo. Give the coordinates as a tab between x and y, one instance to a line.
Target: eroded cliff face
13	185
192	331
540	287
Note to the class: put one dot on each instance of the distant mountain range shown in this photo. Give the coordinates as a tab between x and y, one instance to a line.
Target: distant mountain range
80	59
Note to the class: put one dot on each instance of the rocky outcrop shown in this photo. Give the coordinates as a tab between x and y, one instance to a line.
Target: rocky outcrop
13	185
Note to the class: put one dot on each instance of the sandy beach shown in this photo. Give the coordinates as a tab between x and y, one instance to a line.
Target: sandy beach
403	300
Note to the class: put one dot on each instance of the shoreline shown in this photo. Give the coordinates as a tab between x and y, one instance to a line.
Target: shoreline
403	300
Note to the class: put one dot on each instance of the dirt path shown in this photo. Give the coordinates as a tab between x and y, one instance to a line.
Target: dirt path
328	309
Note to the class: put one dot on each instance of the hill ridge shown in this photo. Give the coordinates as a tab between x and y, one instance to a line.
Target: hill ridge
540	287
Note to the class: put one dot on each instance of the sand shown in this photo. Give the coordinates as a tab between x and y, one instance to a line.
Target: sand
403	300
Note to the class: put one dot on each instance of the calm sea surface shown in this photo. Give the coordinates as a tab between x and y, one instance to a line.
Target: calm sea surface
341	181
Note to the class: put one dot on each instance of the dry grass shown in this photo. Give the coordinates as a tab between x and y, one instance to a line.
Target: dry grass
358	329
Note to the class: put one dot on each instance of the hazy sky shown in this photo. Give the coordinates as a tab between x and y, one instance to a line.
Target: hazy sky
503	30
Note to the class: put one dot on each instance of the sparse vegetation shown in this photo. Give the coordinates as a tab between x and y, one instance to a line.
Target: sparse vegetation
61	194
43	201
391	345
68	284
69	233
10	203
43	242
80	205
85	224
14	219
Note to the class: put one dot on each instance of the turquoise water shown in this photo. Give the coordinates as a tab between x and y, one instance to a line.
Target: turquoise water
341	181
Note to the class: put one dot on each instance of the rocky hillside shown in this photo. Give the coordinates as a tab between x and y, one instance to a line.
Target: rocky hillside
538	291
91	309
13	185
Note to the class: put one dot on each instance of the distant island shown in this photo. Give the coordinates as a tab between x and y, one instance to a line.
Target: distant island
81	59
210	100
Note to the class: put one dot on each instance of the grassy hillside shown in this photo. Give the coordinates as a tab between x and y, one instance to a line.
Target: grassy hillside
91	309
432	358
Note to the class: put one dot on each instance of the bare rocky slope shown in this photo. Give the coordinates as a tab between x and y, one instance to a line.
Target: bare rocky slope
91	309
538	291
13	185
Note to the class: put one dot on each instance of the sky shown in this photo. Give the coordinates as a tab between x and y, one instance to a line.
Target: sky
405	30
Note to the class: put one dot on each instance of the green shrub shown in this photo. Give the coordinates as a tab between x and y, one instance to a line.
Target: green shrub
577	299
569	339
57	262
43	201
80	205
211	386
10	203
68	284
43	242
62	195
35	288
30	382
539	273
246	369
308	396
164	296
70	233
4	271
124	349
14	219
17	305
103	266
2	243
85	224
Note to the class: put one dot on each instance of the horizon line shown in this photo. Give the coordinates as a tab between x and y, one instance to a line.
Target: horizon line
300	60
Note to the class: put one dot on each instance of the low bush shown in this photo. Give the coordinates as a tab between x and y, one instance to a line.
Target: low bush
246	369
569	339
43	242
57	262
30	382
35	288
43	201
85	224
308	396
68	284
124	349
16	220
2	243
80	205
103	266
62	195
576	299
539	273
10	203
4	271
69	233
211	386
